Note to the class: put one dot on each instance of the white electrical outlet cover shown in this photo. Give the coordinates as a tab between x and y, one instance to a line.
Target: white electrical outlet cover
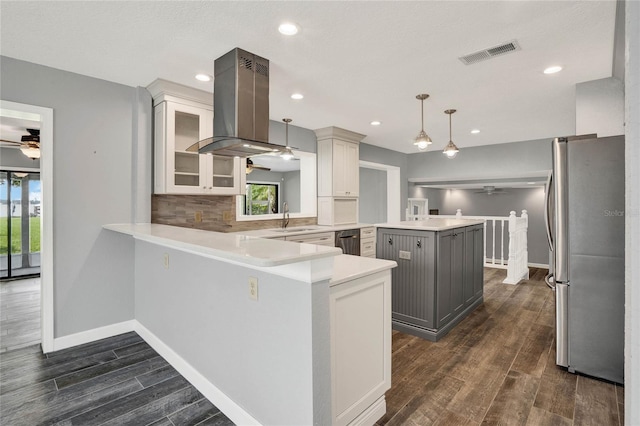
253	288
404	255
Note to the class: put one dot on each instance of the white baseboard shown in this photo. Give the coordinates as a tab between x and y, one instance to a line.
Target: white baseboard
372	414
212	393
538	265
93	335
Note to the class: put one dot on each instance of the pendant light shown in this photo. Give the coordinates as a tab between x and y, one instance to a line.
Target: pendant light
422	140
451	150
287	154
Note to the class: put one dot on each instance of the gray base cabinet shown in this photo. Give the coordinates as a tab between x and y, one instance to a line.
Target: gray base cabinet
439	278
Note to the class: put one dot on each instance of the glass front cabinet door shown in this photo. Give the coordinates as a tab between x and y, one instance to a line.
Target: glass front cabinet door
178	171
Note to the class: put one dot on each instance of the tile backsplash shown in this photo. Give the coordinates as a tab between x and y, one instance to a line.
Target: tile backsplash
209	212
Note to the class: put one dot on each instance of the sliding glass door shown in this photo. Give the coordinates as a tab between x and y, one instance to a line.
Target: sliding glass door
19	224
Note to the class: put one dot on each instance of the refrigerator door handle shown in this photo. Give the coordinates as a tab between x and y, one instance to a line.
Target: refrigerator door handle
550	280
547	201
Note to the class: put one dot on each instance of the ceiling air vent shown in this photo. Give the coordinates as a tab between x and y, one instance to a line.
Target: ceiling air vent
489	53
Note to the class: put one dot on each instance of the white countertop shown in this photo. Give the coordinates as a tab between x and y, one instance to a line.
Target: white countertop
432	224
299	230
241	248
347	267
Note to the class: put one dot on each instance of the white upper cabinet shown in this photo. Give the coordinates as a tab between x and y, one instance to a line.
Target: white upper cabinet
338	162
338	175
182	118
346	159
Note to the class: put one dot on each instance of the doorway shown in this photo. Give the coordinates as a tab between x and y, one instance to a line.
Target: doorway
391	186
43	116
20	207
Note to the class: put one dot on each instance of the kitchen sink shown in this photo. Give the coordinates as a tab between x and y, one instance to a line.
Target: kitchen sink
293	229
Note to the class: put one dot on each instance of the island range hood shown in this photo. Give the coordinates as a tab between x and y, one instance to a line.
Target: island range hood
240	107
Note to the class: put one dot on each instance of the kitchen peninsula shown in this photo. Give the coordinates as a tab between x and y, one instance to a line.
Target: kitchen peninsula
272	332
439	278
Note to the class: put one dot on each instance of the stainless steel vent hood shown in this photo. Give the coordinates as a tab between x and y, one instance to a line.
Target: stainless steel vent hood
240	107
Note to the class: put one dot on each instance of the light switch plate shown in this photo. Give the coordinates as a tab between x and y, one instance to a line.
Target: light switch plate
253	288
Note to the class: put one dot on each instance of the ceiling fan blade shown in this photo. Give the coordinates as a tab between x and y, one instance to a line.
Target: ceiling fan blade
7	141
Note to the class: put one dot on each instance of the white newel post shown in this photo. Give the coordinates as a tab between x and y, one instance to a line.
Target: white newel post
525	252
517	266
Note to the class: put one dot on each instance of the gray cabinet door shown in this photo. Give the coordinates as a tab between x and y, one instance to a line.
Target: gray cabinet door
412	290
473	263
450	276
457	272
478	261
444	304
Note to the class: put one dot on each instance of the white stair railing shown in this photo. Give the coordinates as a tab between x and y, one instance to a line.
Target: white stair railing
517	262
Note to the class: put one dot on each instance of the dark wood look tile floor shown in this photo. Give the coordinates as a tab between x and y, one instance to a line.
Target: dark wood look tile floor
116	381
497	367
19	313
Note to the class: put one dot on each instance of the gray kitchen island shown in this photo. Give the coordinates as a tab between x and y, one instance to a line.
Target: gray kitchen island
439	278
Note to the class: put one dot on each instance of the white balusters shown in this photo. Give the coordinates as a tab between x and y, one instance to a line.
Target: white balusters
516	262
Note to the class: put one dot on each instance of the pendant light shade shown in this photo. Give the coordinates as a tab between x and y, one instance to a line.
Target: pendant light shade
422	140
451	150
286	154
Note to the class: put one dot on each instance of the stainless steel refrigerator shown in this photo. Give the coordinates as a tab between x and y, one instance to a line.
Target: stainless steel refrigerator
585	225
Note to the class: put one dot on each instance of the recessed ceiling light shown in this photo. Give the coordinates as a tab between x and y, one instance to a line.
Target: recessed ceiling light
553	70
203	77
288	28
475	131
530	183
297	96
376	123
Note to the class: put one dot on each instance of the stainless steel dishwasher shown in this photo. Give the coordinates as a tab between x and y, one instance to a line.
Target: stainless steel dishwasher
349	241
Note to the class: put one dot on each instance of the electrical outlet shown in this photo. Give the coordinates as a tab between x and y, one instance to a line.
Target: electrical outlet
253	288
198	216
226	216
404	255
165	260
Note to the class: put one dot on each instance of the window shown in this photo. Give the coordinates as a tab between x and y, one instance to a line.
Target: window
261	198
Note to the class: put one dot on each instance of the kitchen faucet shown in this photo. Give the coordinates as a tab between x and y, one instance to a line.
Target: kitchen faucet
285	215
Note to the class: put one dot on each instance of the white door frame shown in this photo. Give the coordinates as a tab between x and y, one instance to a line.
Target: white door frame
393	188
45	116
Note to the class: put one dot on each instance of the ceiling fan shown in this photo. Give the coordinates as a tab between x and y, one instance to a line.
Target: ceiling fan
491	190
251	167
29	144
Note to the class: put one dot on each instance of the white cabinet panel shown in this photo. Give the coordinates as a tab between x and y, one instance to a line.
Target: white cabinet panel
337	211
368	241
360	345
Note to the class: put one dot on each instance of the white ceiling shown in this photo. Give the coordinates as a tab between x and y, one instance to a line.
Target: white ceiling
354	61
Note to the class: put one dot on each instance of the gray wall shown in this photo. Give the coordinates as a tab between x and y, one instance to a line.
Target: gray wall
632	218
385	156
291	190
508	159
92	176
299	137
373	196
600	107
11	157
474	204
